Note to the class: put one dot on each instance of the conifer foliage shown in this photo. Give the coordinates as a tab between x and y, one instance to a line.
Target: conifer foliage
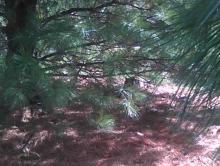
195	30
47	46
23	80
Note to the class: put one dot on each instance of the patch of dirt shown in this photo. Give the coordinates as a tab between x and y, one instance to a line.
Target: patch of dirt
64	138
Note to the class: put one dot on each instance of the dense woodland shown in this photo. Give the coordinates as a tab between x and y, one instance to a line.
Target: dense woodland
105	59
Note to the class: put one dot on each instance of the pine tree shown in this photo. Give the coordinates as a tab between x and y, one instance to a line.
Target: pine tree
194	29
46	42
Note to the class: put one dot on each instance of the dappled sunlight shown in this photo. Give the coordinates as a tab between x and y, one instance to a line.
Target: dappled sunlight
65	137
71	132
12	133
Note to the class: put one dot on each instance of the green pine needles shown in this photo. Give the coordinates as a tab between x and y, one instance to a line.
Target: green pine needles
24	82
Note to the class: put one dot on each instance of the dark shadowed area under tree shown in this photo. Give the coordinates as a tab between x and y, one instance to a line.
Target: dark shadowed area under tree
109	82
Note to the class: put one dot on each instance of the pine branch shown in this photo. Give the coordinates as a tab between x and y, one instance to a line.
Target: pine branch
84	9
91	9
65	52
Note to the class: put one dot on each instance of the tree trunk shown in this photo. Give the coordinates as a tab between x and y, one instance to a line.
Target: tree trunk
21	27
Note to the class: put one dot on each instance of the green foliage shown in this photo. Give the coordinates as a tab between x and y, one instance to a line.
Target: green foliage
103	121
196	35
193	35
130	107
14	98
69	40
98	97
137	95
23	80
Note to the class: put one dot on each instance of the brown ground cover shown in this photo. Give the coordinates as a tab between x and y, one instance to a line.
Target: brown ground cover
64	138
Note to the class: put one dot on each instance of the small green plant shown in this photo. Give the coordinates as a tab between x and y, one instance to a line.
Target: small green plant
103	121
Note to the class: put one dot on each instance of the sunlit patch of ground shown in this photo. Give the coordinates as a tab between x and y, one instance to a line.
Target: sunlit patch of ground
66	139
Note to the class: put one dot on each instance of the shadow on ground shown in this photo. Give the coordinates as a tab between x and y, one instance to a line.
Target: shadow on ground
64	139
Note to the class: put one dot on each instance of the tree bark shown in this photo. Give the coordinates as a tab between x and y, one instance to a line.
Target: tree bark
21	27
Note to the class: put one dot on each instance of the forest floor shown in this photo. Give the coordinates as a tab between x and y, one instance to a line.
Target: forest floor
65	139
